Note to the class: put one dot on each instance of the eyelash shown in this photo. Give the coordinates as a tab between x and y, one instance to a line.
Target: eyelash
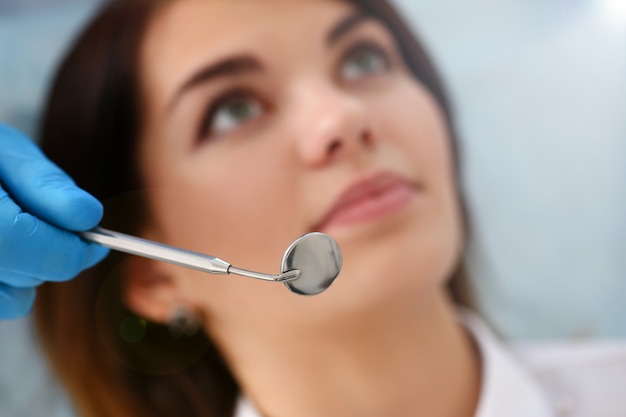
368	46
220	100
239	92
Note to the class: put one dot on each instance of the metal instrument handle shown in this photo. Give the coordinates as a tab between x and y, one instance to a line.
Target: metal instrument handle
162	252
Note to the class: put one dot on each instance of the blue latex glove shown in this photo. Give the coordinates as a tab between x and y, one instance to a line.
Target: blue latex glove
39	206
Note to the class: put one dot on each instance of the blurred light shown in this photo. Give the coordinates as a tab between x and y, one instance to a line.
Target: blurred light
616	10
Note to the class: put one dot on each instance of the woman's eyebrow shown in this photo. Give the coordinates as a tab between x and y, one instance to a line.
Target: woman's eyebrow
345	25
230	66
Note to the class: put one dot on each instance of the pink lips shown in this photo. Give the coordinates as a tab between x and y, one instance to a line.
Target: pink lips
369	199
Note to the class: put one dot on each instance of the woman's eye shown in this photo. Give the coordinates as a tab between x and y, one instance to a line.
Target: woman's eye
231	112
364	60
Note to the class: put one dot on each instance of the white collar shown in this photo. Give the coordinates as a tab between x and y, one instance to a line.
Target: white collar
508	389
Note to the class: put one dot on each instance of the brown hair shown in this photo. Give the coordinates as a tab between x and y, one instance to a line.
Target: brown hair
112	362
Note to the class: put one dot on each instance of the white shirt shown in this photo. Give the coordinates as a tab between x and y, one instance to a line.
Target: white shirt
540	380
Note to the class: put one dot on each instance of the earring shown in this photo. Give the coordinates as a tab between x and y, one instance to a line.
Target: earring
183	322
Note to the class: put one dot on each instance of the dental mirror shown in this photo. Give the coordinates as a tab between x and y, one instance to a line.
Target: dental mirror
309	266
318	258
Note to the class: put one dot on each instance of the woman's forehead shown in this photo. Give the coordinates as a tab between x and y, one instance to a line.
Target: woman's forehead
183	24
185	35
213	22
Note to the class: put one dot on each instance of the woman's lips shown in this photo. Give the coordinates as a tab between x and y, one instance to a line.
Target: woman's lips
369	199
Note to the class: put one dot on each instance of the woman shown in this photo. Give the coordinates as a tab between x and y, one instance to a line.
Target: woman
230	128
245	125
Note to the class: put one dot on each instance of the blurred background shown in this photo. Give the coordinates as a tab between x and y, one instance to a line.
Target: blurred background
540	94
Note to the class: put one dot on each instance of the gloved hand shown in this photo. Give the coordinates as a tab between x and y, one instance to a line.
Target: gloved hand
39	207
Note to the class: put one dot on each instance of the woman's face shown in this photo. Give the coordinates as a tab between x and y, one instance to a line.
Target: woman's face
265	120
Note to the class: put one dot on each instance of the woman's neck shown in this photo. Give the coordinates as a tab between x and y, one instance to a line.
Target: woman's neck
400	361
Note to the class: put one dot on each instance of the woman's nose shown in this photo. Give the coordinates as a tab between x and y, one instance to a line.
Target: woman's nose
336	126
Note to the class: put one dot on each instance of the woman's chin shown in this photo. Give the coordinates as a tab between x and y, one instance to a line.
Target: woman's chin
402	259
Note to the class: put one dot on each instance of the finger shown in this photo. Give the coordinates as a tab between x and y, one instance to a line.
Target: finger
41	188
18	280
31	246
15	302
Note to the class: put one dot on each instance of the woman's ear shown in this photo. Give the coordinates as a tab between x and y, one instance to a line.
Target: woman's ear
149	290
